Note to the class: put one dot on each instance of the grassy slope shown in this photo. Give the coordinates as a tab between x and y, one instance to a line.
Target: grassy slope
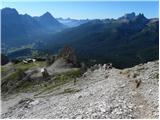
10	79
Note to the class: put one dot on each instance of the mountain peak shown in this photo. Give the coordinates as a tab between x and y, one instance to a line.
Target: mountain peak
141	17
47	14
8	10
128	16
133	17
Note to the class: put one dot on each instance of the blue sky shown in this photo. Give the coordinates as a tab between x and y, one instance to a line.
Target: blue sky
83	10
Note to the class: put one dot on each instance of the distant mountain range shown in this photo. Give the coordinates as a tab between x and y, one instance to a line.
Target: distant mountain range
126	41
18	30
72	22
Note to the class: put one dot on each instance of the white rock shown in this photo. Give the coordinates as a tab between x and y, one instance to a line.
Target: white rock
34	102
140	106
122	86
79	117
102	109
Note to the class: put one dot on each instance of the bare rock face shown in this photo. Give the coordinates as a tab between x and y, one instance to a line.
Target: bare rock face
98	97
59	66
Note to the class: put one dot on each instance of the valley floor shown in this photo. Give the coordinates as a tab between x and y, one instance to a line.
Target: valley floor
97	94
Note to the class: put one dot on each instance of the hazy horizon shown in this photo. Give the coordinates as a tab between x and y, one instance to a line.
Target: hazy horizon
86	10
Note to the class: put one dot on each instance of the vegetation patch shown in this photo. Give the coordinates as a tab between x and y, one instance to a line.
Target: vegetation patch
24	66
12	80
14	76
60	79
70	90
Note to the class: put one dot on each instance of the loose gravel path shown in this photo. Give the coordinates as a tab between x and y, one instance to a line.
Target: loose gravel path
98	94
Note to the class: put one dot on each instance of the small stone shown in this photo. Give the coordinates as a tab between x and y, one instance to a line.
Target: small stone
122	86
150	91
133	93
130	106
140	106
80	97
118	111
102	109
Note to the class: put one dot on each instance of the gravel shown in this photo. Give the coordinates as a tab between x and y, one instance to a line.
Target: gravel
99	97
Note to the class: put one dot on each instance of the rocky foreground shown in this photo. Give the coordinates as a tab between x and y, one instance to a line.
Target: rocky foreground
99	93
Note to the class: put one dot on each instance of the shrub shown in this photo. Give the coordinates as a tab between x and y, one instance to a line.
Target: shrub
16	61
67	53
4	59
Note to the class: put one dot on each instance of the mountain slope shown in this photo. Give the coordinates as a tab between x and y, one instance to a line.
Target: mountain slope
18	30
98	94
11	20
122	43
49	22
